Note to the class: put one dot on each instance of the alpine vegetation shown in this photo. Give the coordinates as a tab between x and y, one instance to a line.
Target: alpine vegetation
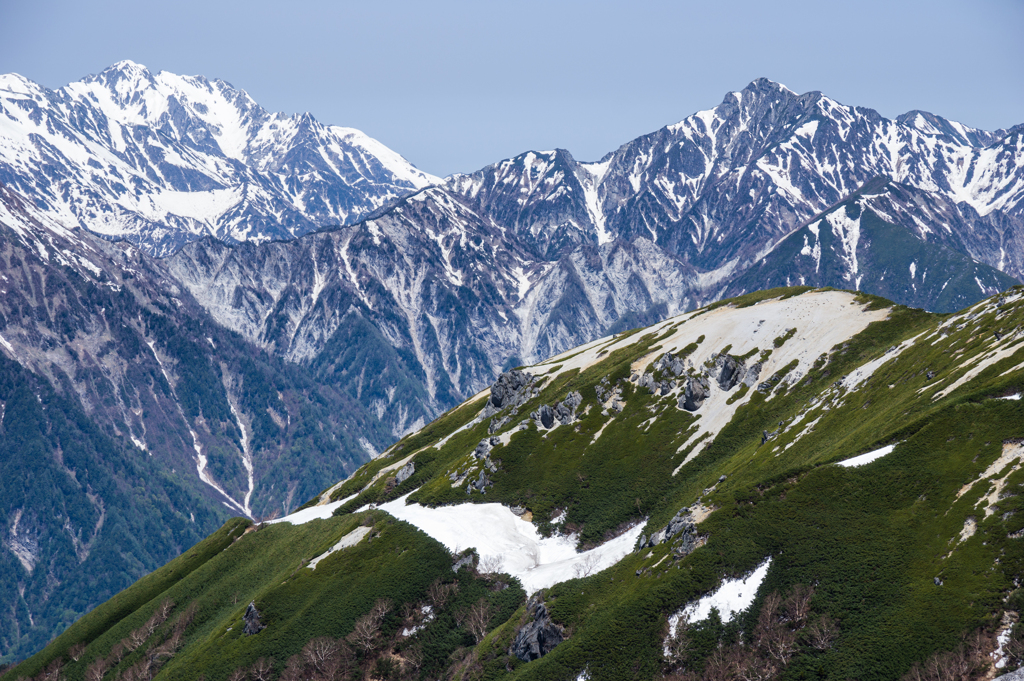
799	482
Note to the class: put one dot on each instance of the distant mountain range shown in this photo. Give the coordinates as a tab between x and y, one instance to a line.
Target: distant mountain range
537	254
160	160
240	306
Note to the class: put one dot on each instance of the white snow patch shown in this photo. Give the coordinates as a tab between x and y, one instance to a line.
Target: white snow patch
591	181
368	448
732	597
350	539
1007	347
319	512
246	454
807	130
10	349
757	326
494	531
1010	456
522	282
847	230
999	655
864	459
855	378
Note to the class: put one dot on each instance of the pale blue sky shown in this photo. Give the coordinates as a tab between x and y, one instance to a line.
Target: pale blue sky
454	86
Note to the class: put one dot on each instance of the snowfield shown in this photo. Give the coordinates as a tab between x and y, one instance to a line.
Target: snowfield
494	531
732	597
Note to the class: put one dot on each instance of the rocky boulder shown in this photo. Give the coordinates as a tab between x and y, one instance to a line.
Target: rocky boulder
565	411
545	416
539	636
485	447
681	524
697	390
252	620
669	363
727	371
751	375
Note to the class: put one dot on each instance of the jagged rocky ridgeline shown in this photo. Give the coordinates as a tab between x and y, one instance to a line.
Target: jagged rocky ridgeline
611	543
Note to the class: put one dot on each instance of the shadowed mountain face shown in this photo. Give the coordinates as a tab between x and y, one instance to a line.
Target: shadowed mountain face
132	424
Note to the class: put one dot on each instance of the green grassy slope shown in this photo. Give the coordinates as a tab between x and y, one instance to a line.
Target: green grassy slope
906	555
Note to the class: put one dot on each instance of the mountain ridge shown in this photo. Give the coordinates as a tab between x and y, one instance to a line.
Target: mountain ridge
741	487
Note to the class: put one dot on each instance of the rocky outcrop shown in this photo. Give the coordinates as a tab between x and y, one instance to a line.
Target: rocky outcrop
697	390
509	387
655	387
481	483
670	364
727	371
545	416
468	560
682	524
751	375
565	411
253	625
539	636
485	446
405	472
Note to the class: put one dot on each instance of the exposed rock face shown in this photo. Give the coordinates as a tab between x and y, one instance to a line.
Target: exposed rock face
538	637
565	411
483	448
545	416
405	472
483	481
252	620
671	364
697	390
727	371
751	375
681	525
508	387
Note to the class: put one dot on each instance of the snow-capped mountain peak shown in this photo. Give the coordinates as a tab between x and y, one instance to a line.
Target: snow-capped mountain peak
163	159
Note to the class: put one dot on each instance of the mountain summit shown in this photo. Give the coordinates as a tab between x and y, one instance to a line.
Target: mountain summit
161	160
